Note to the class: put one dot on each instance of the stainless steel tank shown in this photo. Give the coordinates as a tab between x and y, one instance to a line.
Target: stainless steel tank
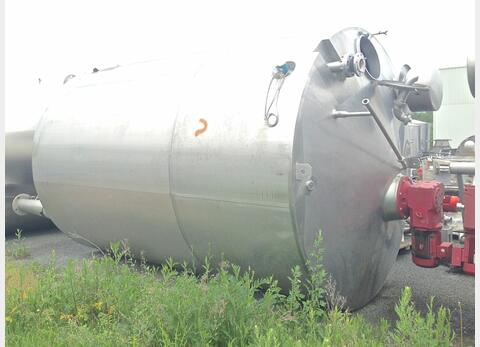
466	148
188	158
411	143
471	74
424	136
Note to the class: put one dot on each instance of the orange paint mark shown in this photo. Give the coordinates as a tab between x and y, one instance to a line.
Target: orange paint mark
202	130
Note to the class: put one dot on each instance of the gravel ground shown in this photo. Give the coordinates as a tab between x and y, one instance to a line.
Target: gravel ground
448	288
41	244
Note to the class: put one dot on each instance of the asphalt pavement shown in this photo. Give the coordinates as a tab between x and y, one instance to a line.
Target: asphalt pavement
448	288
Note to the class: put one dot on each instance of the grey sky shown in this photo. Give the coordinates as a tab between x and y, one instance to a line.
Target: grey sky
50	39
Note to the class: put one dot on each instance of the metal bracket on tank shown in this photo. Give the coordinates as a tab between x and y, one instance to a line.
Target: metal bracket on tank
366	102
303	172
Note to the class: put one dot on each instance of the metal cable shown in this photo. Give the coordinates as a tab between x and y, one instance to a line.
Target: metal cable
275	98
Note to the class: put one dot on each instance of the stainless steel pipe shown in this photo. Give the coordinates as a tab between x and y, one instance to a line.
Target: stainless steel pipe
462	167
366	103
24	204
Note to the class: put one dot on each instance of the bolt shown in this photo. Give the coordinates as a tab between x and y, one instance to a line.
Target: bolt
310	185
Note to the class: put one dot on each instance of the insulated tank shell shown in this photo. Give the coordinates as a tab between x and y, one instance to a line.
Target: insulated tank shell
174	156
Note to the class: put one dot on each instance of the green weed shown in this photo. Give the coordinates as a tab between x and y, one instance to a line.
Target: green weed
17	248
111	301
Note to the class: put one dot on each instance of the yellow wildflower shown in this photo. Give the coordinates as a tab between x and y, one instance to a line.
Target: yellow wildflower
66	317
98	305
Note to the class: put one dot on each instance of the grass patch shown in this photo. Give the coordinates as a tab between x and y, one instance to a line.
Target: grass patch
17	248
113	302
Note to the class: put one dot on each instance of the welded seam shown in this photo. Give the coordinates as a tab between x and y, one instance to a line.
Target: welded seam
170	190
